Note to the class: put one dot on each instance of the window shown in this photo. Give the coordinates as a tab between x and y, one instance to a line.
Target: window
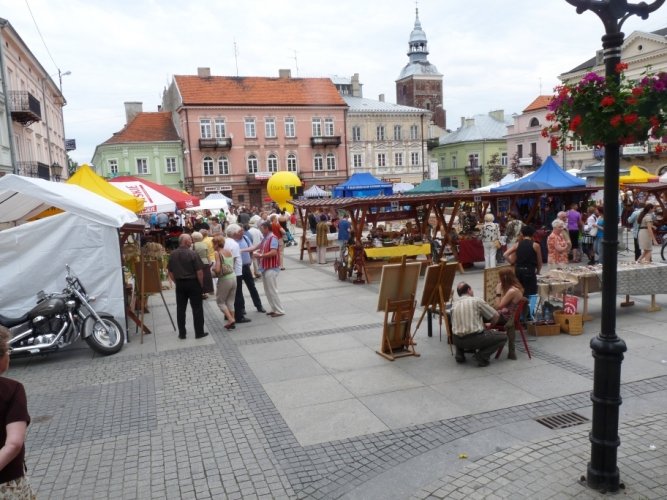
356	133
223	165
454	162
357	161
533	149
473	159
534	122
142	166
270	127
291	162
113	166
252	164
250	131
208	166
170	165
329	127
398	159
397	132
272	163
317	127
290	127
331	161
220	129
414	159
318	166
382	160
379	133
503	159
519	150
205	128
414	132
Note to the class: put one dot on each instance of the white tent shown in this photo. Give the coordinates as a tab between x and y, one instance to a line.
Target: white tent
663	177
316	192
33	254
402	187
509	178
154	201
215	201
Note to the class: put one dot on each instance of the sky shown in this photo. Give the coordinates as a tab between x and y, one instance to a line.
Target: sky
492	54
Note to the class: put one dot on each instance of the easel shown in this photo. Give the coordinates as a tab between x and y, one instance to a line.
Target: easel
437	292
398	310
148	281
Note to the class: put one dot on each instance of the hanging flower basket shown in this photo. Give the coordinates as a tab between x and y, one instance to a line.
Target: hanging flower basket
599	111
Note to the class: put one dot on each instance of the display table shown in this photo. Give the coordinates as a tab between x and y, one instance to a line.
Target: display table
548	286
470	251
632	279
398	251
311	246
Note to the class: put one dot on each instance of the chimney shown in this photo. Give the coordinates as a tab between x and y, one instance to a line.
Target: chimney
498	115
469	122
285	73
463	121
356	86
132	109
204	72
381	98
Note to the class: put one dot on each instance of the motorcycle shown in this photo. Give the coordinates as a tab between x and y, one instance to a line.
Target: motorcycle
59	319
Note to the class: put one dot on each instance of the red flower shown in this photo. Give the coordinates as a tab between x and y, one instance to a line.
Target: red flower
545	132
576	121
551	117
621	67
607	101
631	101
630	119
569	147
554	142
637	91
659	148
653	120
616	120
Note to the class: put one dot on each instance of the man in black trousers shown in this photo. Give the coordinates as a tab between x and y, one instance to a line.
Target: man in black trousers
186	271
236	232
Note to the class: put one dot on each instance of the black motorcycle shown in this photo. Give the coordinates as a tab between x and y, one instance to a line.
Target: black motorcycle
59	319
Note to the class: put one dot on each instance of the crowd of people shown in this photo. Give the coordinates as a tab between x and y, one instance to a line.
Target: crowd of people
221	254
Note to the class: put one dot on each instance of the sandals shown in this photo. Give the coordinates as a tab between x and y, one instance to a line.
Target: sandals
230	326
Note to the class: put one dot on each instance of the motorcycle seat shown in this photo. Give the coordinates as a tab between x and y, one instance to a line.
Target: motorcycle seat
10	322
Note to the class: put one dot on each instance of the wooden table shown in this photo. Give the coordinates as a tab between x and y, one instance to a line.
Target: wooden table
383	255
470	251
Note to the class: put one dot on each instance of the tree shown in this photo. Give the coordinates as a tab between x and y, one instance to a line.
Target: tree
520	170
515	166
72	166
494	168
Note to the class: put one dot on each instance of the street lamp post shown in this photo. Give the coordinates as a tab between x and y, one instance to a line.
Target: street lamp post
602	472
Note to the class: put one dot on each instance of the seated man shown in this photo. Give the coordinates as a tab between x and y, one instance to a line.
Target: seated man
468	316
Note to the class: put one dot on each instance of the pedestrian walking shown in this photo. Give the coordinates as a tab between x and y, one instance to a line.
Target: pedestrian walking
269	266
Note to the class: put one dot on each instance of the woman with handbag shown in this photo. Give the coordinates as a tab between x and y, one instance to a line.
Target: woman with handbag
490	240
224	270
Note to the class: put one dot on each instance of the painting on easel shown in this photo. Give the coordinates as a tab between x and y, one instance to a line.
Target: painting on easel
394	286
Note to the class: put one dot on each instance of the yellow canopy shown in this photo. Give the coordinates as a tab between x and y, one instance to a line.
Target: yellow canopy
637	175
88	179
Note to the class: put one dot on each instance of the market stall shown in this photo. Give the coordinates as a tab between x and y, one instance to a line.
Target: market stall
157	198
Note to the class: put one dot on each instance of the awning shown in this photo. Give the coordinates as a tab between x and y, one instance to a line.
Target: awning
157	198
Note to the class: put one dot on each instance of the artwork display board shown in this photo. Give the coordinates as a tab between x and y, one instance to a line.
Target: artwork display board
491	279
398	281
435	278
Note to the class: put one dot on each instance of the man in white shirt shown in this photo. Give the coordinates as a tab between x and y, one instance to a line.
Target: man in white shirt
256	237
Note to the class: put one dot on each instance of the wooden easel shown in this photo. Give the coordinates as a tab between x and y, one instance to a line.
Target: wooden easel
437	292
148	278
398	313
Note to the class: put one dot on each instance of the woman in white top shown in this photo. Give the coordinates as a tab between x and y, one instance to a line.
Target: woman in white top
490	235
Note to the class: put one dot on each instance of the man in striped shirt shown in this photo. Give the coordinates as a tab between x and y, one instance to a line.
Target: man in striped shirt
469	315
269	265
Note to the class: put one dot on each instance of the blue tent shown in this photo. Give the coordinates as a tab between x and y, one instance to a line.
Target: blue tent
363	184
549	174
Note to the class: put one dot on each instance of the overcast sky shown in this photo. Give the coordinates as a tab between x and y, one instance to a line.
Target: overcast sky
493	54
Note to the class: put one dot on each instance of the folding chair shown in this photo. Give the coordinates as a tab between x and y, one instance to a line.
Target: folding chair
518	326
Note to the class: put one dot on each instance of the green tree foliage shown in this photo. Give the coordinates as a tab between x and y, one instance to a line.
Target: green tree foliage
494	168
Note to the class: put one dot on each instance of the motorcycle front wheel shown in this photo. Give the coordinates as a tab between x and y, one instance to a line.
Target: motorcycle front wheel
106	342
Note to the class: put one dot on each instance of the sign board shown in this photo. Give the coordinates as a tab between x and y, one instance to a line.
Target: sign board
640	149
477	198
70	144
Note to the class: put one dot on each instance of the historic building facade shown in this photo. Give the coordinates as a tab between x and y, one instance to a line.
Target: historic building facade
524	136
238	131
419	84
32	139
147	147
641	51
387	140
463	155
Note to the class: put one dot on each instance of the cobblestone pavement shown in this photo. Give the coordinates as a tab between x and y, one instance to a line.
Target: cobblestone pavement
195	422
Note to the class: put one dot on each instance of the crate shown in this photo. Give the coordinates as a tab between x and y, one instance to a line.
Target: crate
572	324
543	330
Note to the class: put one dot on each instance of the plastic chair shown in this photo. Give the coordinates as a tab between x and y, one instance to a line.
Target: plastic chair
518	326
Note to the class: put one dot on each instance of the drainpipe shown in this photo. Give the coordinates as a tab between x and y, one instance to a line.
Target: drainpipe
424	173
187	127
46	122
8	112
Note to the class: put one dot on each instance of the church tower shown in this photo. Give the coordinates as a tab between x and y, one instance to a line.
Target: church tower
419	84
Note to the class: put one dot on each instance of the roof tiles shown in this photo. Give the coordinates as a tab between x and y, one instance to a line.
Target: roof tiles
541	102
257	91
147	127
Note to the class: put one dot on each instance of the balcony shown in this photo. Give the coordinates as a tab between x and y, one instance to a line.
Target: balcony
223	143
333	140
24	107
432	143
473	171
33	169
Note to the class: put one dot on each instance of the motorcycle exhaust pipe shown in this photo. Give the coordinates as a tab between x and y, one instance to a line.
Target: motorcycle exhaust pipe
34	349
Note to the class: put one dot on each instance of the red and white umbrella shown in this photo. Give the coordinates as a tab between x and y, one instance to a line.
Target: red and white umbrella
157	198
